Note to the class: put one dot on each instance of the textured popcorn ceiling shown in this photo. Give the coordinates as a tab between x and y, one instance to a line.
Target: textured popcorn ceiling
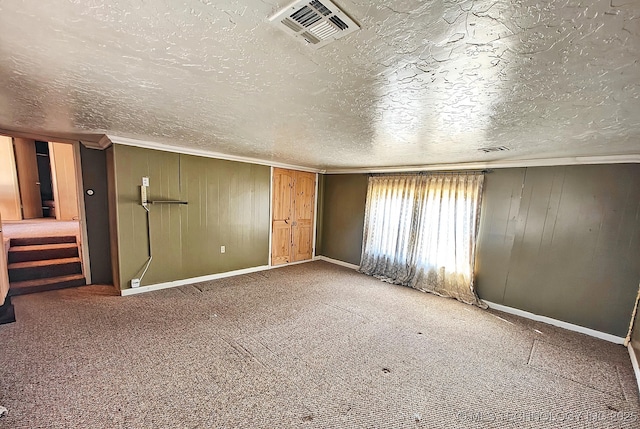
423	82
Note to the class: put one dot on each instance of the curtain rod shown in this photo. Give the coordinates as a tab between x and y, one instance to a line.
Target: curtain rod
426	173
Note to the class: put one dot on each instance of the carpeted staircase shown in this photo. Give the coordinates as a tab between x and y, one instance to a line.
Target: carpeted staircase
44	263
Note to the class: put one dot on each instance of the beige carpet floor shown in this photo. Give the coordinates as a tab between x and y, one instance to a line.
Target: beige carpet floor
311	346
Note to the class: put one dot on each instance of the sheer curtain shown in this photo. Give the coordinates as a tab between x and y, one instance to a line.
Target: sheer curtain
420	231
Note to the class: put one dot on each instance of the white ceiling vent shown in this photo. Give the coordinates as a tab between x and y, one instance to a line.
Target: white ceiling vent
314	22
493	149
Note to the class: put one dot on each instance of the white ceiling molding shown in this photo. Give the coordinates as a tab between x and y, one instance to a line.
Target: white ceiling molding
92	141
421	83
101	144
541	162
205	153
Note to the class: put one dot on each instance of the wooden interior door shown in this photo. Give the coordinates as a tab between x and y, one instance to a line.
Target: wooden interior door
9	192
28	179
64	180
282	207
303	215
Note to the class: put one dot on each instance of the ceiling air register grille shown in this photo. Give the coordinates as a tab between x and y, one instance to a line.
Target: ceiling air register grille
315	23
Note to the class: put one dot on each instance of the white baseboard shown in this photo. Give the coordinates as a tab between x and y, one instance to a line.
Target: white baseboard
337	262
558	323
634	362
288	264
166	285
192	280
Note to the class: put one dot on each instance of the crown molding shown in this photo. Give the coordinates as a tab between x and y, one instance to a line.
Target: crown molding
102	141
101	144
539	162
207	154
36	136
93	141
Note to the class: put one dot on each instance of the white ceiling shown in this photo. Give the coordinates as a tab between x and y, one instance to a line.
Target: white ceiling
423	82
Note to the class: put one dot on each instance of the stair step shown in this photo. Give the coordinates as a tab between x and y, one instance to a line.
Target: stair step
28	241
31	270
41	285
38	252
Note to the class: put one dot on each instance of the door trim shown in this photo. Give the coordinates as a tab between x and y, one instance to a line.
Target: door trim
634	363
84	236
270	215
315	221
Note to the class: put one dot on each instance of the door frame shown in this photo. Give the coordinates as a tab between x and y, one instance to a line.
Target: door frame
270	214
315	219
82	214
84	236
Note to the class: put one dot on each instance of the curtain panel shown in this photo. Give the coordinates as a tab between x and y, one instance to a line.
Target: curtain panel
420	231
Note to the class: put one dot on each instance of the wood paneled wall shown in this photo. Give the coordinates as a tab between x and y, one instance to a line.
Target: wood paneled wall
228	205
343	200
563	242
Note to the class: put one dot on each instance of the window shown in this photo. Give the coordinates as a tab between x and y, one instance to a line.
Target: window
420	231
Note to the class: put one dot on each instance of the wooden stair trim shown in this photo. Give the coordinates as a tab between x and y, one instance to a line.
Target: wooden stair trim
37	247
43	263
26	241
44	285
47	281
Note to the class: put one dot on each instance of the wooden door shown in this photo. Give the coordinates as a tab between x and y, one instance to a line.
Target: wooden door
282	207
293	216
303	215
28	179
9	192
64	180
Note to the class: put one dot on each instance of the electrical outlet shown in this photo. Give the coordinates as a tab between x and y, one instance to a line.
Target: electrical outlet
135	282
223	249
145	181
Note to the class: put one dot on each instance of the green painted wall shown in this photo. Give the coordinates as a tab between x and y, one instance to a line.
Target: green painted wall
343	200
228	204
563	242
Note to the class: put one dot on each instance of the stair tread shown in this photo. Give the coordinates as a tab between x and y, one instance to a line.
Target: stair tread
47	281
23	241
43	263
35	247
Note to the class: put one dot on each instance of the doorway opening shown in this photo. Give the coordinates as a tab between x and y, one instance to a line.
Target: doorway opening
44	176
40	215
